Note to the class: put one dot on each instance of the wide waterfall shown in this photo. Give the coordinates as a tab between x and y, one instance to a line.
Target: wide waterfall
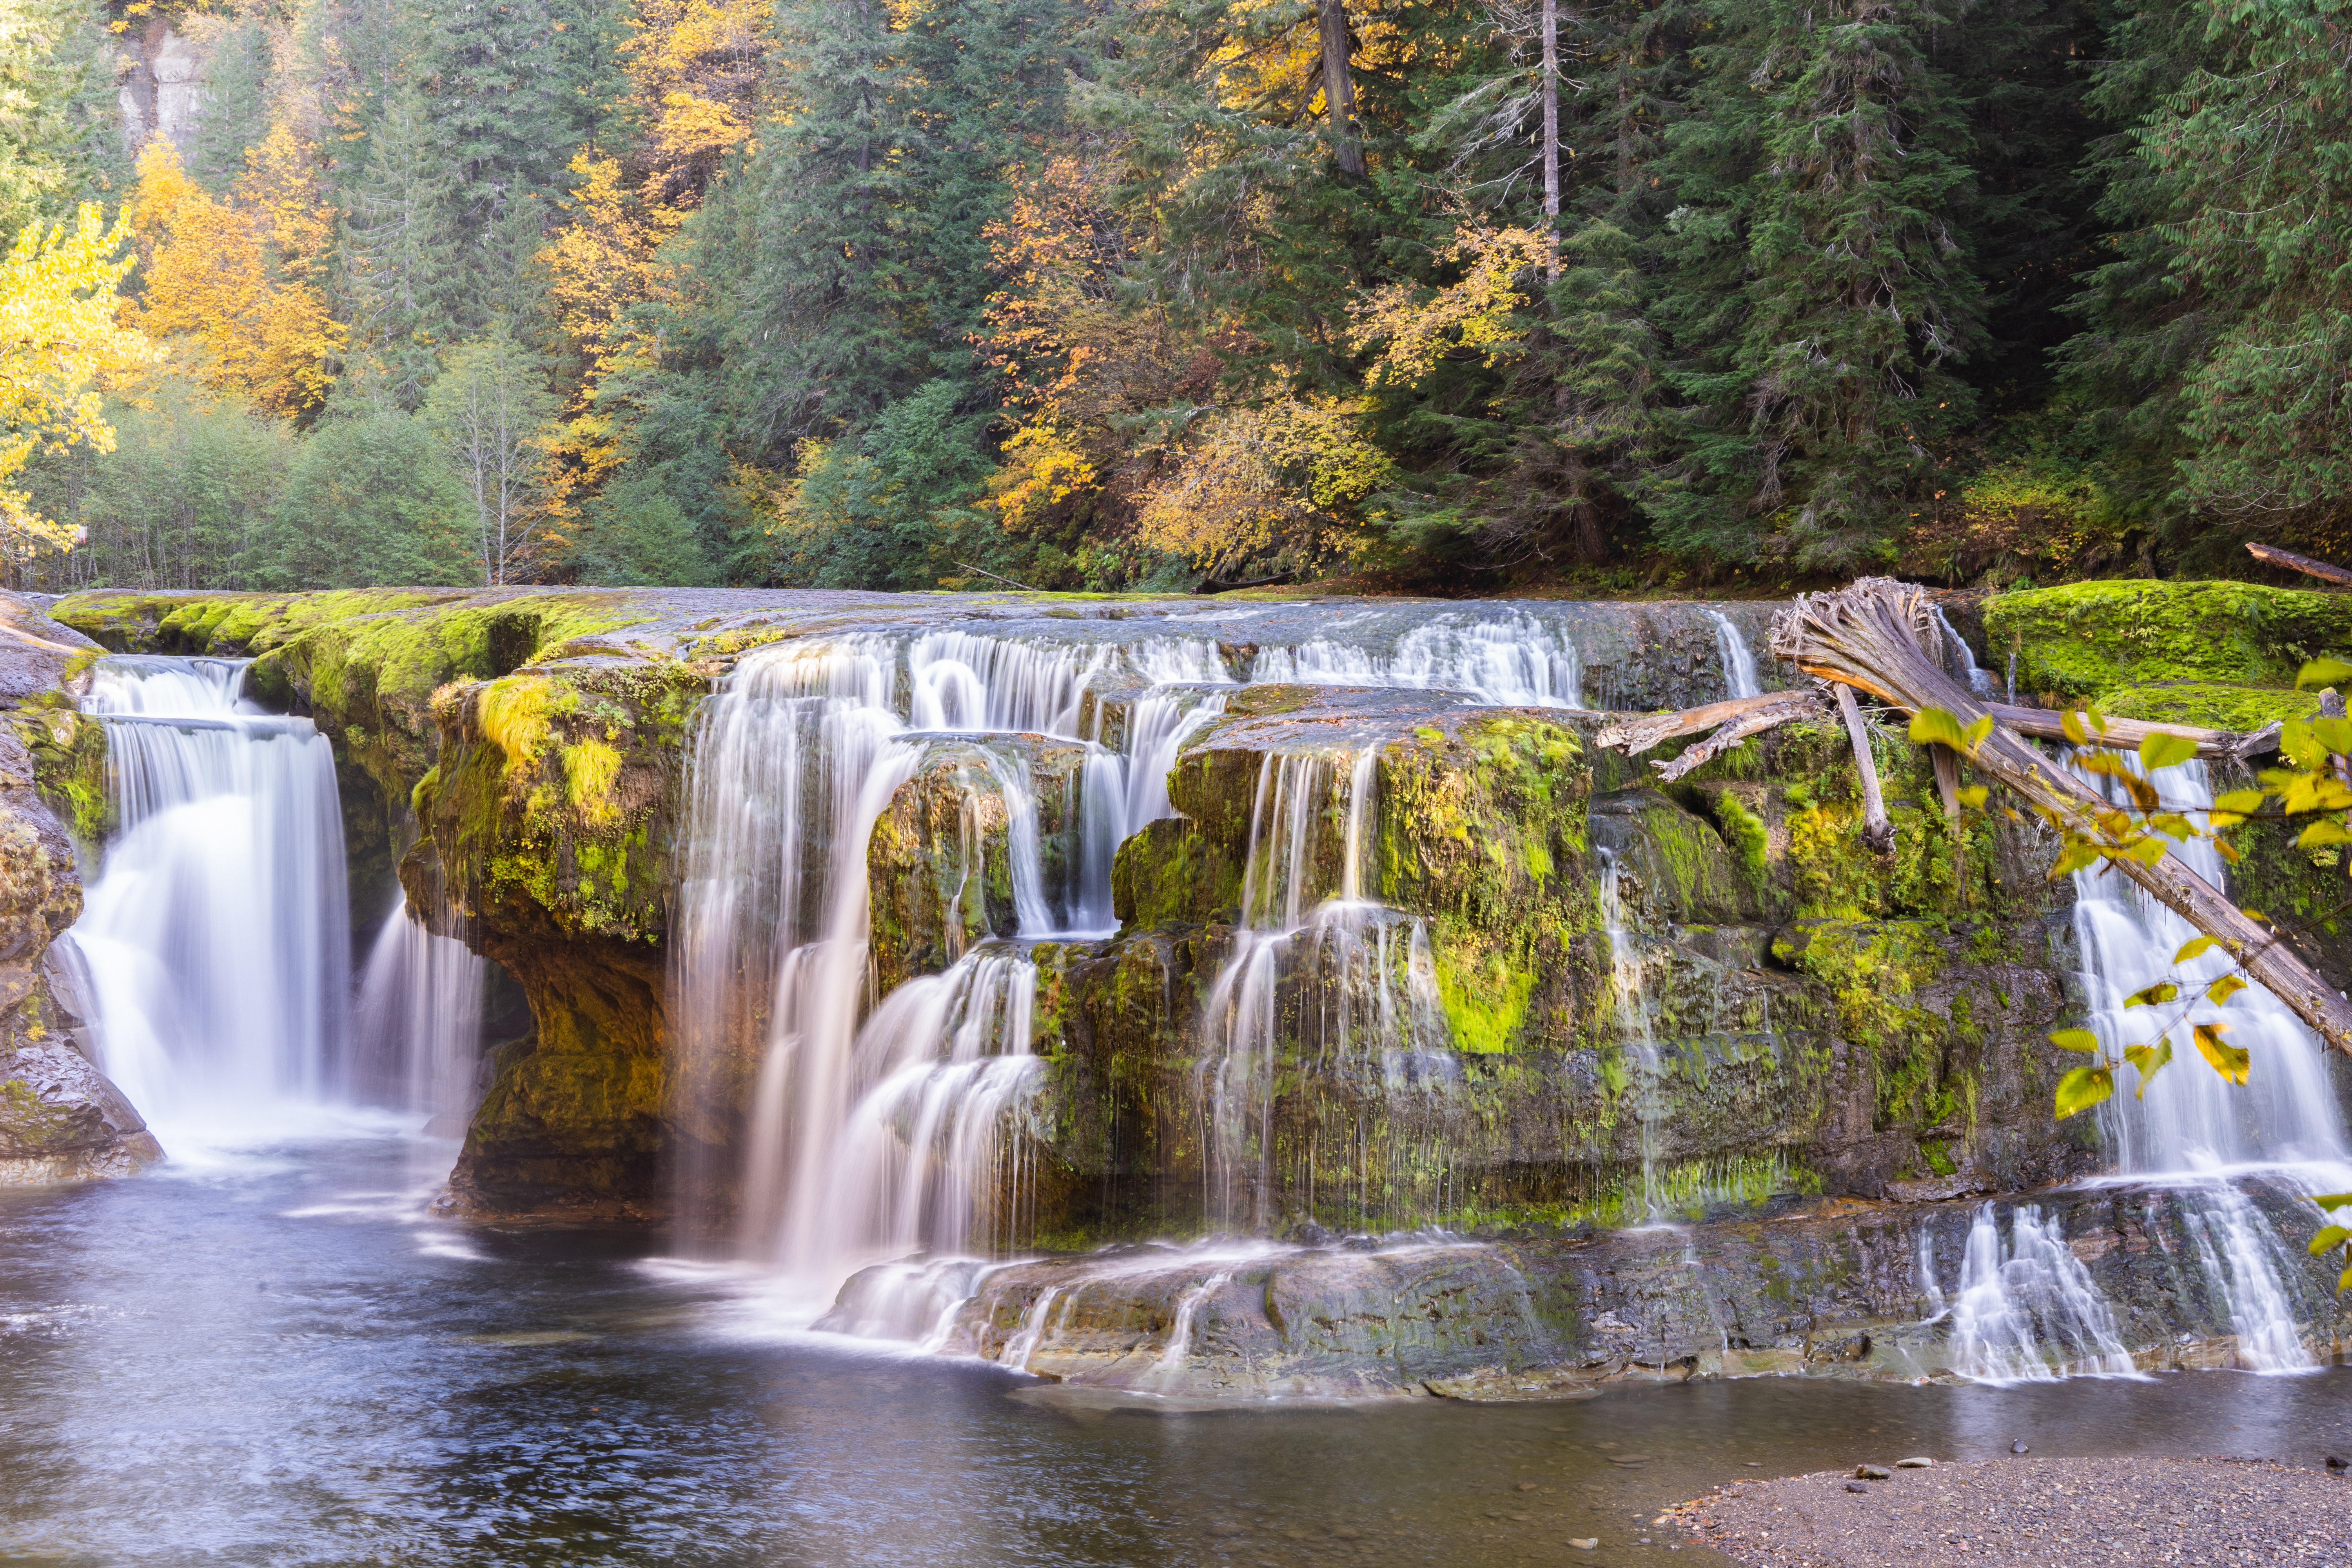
885	1123
216	937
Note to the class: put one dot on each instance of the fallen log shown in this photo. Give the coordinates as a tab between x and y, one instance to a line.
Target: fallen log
1876	831
2270	554
1866	635
1637	734
1754	722
2126	734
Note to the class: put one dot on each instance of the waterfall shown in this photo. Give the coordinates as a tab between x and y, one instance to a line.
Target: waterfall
215	936
1363	972
1512	659
2191	1128
2018	1306
1626	968
873	1123
1964	660
418	1025
1738	661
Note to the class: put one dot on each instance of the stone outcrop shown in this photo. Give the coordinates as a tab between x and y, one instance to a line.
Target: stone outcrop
1821	1023
60	1119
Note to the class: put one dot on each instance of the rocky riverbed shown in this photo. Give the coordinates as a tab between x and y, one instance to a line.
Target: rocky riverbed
2032	1513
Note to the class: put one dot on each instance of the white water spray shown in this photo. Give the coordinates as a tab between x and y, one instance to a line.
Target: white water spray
216	937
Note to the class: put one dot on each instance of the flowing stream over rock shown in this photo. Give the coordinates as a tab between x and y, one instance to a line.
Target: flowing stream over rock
215	938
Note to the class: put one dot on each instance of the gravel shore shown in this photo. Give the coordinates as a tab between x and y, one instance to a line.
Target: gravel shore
2049	1513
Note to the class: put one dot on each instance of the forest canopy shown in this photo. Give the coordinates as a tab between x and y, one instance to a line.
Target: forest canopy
1110	294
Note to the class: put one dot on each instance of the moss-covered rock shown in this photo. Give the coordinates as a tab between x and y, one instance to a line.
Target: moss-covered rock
2087	640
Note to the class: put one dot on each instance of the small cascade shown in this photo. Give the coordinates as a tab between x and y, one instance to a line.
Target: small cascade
1738	660
2020	1305
1360	975
1634	1028
417	1029
1511	659
943	1062
2191	1129
216	937
1963	662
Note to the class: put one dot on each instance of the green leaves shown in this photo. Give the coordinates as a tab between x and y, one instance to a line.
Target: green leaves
2149	1059
2075	1040
2228	1060
1934	727
2082	1089
2333	1236
2163	991
2163	751
2322	672
2222	990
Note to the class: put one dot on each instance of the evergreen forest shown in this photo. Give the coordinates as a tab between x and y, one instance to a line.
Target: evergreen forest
1434	295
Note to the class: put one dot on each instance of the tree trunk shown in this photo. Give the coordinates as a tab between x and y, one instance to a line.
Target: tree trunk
1869	636
1340	88
1876	831
1551	139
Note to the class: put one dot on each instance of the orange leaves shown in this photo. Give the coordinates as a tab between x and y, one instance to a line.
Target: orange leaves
251	327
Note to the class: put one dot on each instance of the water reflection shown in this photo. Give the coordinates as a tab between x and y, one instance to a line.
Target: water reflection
280	1361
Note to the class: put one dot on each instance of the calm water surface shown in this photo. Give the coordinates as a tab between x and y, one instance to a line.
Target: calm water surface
271	1357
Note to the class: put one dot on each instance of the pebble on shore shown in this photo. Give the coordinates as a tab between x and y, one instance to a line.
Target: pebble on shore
2035	1513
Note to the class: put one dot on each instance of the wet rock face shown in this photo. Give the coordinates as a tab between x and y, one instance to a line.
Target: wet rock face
60	1119
1819	1288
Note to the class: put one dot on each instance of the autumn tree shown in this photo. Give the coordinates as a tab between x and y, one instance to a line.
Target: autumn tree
59	339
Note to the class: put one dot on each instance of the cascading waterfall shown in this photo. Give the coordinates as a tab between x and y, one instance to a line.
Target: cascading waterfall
2020	1304
216	938
1370	983
1512	659
1633	1025
869	1136
1964	660
1740	677
417	1029
2191	1129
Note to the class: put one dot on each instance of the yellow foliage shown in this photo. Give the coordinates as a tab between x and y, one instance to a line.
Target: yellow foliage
1474	315
695	68
1262	478
60	337
209	283
1042	467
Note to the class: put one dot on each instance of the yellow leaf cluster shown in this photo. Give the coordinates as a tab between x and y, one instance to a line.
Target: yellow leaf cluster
1475	315
212	283
1261	478
59	339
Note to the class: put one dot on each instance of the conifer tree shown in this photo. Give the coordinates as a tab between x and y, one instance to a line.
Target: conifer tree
235	115
400	252
1823	291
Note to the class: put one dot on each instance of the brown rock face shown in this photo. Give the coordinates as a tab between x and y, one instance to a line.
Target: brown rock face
60	1119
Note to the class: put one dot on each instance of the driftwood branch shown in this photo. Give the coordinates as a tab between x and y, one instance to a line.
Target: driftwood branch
1865	636
1876	831
2270	555
1637	734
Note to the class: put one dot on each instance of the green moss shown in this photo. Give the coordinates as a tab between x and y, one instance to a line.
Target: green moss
1485	996
1876	972
68	755
2089	639
1744	831
2210	705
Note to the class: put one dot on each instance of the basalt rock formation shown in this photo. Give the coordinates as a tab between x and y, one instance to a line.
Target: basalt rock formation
1525	987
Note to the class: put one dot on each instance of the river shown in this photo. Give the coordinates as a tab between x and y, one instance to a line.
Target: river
271	1355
